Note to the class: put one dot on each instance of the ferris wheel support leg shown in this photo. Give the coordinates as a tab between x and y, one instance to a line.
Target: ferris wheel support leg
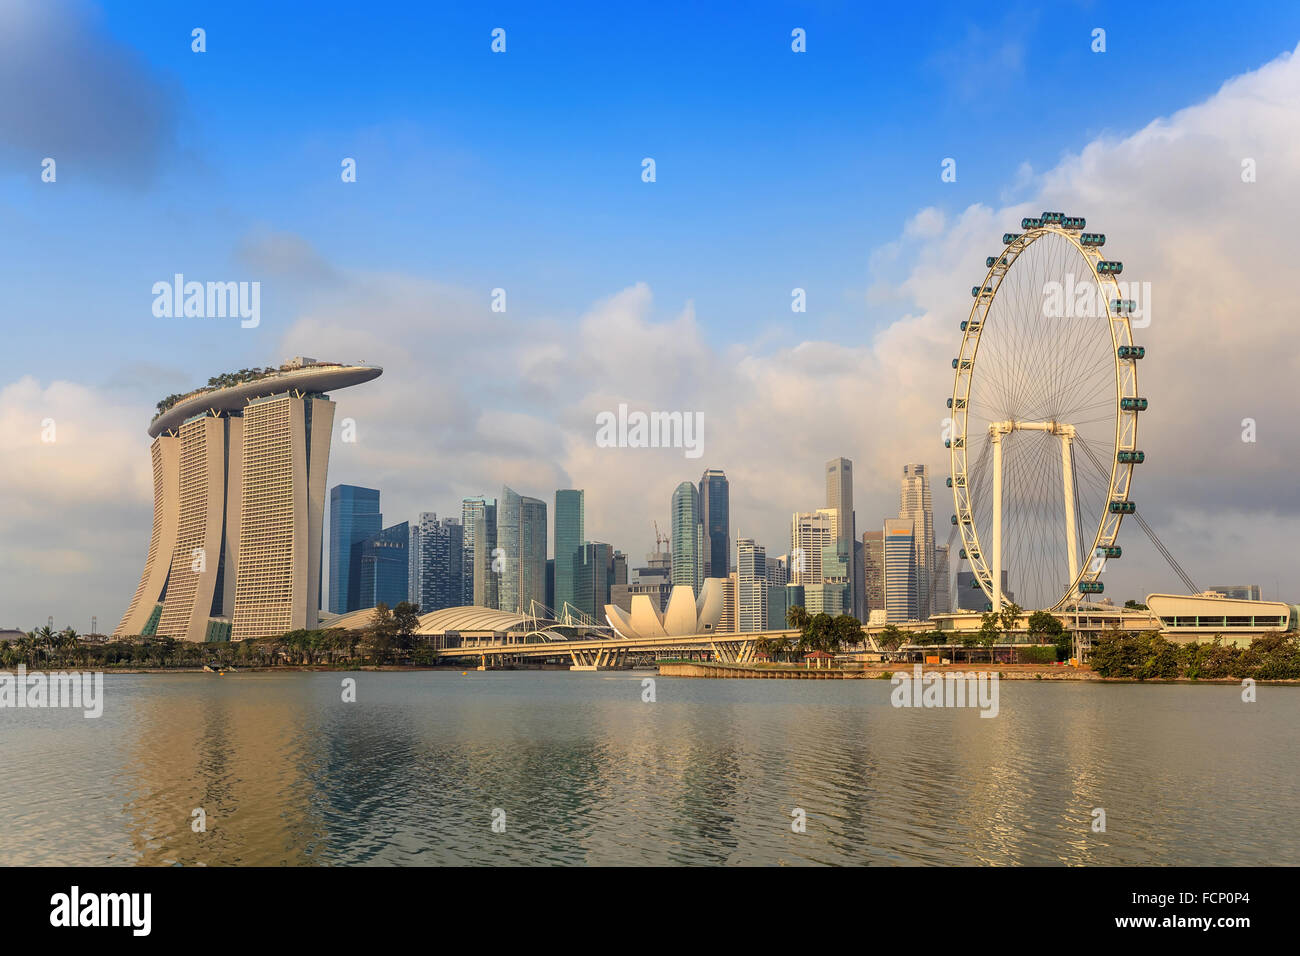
996	438
1067	471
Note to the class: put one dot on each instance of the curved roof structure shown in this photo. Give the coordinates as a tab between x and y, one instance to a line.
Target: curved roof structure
470	619
320	377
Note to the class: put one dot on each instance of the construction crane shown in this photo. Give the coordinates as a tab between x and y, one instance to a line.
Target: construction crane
661	539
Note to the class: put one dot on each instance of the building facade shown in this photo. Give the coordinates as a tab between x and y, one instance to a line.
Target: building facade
915	506
751	586
715	516
569	541
239	471
437	563
839	498
478	519
873	570
386	567
687	538
354	516
900	571
521	538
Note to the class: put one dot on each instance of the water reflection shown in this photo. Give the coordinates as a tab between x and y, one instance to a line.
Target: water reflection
587	773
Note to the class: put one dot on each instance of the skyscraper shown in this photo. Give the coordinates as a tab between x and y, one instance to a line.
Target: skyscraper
839	496
811	532
354	516
437	563
914	506
941	592
569	539
751	581
595	574
873	569
386	566
715	516
478	519
521	536
239	471
900	571
687	538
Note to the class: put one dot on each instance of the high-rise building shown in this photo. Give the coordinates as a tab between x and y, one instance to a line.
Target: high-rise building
873	569
751	586
727	625
900	571
941	593
914	505
354	516
839	497
811	532
594	578
479	535
715	516
971	597
569	540
239	471
654	581
386	566
687	538
521	536
437	563
778	576
1239	592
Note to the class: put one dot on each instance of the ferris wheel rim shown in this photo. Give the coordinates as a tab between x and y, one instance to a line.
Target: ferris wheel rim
1119	325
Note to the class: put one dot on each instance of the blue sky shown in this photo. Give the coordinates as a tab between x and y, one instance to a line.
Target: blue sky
522	170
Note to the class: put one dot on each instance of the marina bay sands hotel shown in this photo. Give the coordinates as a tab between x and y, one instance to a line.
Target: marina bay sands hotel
238	504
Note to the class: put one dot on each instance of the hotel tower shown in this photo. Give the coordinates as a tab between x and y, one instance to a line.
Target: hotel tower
239	500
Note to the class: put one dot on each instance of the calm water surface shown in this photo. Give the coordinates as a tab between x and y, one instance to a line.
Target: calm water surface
589	774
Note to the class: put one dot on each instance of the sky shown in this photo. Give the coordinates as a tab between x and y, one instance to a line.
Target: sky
522	171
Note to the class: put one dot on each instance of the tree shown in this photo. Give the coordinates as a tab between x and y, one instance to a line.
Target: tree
797	617
890	637
1133	605
990	625
406	618
1046	628
1009	616
848	630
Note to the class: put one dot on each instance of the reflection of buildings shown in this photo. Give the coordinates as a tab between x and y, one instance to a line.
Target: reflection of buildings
239	499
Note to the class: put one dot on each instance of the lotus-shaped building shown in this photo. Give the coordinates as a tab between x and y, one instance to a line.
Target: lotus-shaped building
685	615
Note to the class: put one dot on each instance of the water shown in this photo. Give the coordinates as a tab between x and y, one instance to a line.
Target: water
587	773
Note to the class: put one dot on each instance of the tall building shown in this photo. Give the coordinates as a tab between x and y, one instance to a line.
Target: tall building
521	536
437	563
386	566
914	505
971	597
900	571
569	540
595	578
1239	592
654	581
478	519
239	471
687	538
811	532
727	624
354	516
839	497
941	593
873	569
751	586
715	516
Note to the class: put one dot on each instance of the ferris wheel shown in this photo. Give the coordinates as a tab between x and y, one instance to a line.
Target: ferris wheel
1044	417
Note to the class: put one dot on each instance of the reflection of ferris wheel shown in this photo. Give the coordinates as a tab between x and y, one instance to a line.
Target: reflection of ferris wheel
1044	416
